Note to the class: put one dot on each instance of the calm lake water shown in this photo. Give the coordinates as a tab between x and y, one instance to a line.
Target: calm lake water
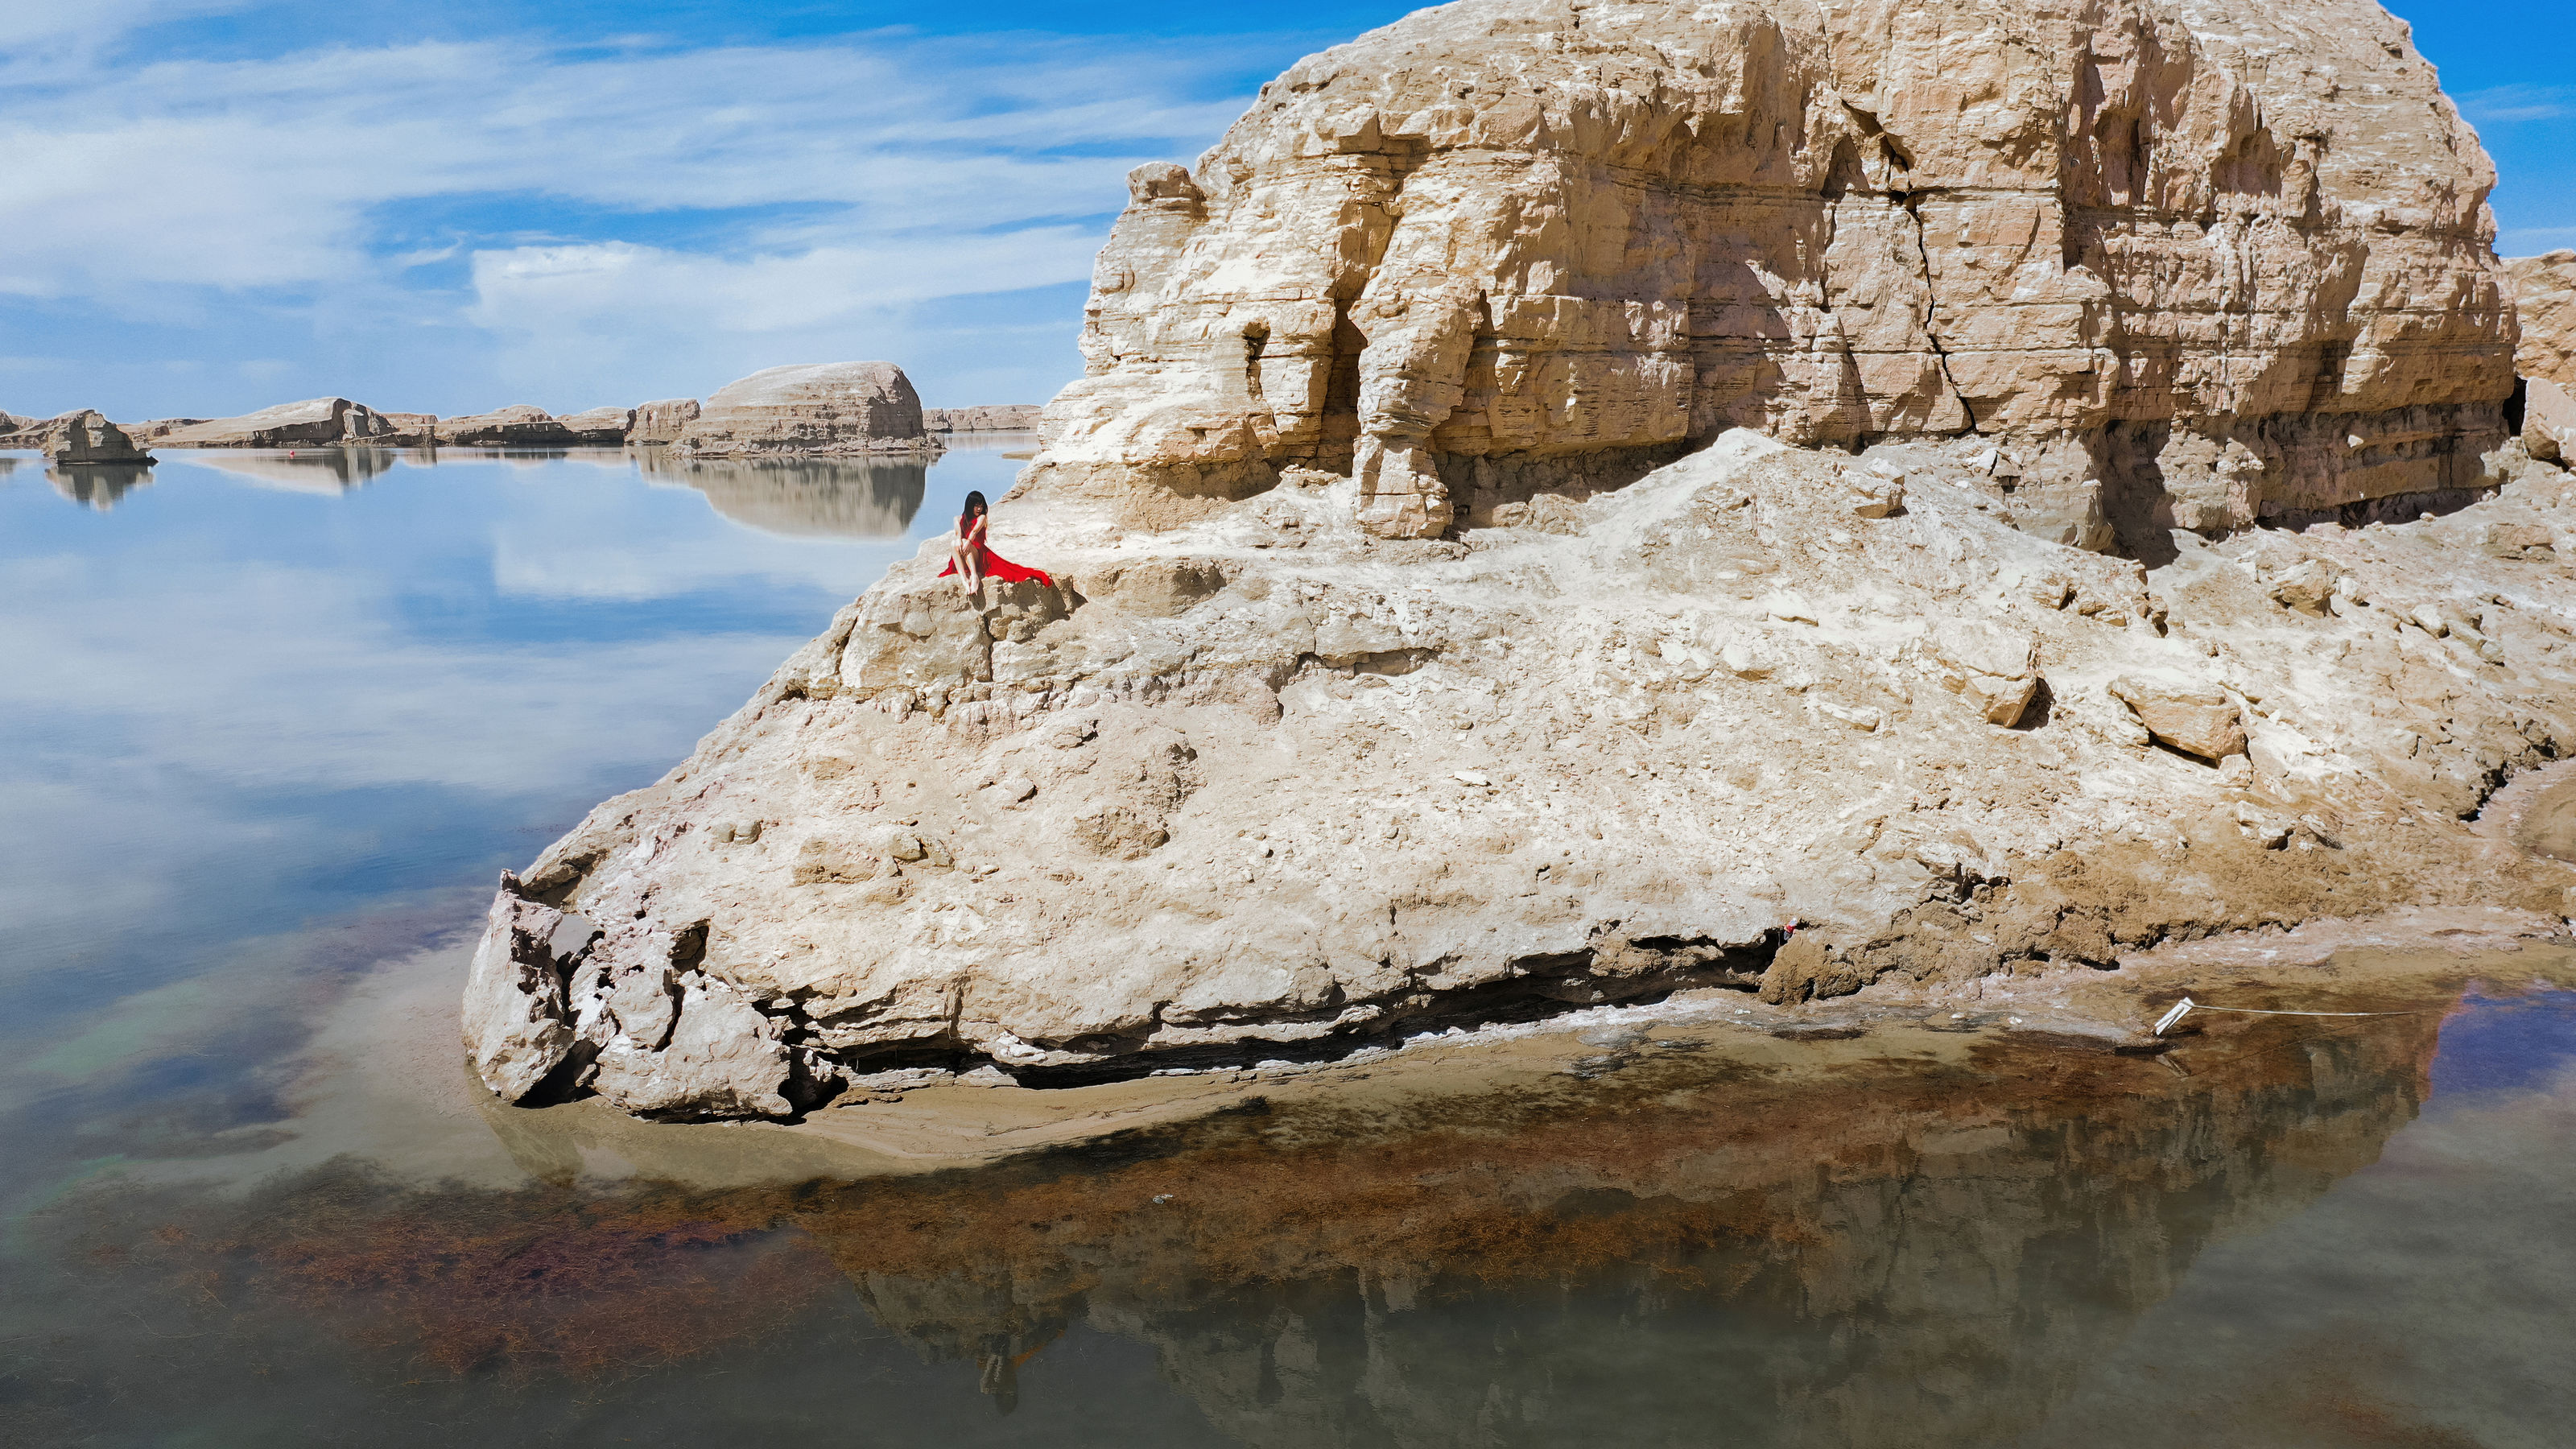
269	727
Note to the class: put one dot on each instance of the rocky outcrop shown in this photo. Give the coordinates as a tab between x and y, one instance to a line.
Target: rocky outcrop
81	438
315	422
600	427
2544	296
2196	267
1265	783
824	408
518	426
663	421
990	418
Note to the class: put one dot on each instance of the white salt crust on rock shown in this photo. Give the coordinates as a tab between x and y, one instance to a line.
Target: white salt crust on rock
1265	782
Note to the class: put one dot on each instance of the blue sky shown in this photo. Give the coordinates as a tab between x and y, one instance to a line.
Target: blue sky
220	204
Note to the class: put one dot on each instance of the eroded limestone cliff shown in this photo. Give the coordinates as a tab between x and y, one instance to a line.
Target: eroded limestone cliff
1267	780
1781	374
2544	294
2233	260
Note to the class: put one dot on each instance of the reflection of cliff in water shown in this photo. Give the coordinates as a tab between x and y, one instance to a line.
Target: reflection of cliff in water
1917	1261
802	497
1687	1251
329	471
94	485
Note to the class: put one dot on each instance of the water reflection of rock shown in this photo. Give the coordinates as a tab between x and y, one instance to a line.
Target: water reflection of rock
1923	1262
330	471
1691	1249
96	485
803	497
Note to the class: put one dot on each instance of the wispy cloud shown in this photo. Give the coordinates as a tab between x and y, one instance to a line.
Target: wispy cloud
738	190
2512	105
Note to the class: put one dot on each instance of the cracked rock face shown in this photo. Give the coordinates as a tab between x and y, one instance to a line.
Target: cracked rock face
2544	294
1267	782
2193	265
313	422
83	437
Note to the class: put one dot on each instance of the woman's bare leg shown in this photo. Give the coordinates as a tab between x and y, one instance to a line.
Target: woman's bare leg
965	560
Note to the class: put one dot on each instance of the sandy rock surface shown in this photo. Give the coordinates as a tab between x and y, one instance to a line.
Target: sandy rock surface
831	407
2544	295
314	422
81	437
662	421
2195	265
600	427
989	418
1265	783
518	426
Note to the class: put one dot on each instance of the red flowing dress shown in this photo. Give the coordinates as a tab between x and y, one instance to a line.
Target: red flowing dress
995	566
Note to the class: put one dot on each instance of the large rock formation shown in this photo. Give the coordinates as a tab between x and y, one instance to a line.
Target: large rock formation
987	418
663	421
1262	781
1255	777
314	422
82	437
2203	265
829	407
2544	294
517	426
600	427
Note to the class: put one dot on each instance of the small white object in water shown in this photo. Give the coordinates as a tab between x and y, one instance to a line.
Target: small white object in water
2012	1021
1958	1016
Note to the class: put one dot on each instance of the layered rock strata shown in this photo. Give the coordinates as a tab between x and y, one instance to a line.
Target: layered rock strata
315	422
662	421
1264	783
2544	290
2192	266
2544	297
517	426
600	427
80	437
989	418
823	408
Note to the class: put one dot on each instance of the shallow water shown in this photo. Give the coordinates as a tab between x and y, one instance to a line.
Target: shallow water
271	725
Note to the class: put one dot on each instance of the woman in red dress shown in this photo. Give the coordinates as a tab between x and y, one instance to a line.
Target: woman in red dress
973	561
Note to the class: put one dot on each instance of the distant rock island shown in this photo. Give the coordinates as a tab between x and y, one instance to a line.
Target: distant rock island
1574	503
808	409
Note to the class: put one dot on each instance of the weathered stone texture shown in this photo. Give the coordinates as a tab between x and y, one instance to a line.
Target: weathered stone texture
833	407
2237	254
600	427
315	422
80	437
663	421
2544	294
1266	780
518	426
986	418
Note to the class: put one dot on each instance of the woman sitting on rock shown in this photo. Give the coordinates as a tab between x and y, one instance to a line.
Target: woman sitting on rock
973	561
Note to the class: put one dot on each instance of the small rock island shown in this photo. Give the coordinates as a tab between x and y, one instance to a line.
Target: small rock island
1561	496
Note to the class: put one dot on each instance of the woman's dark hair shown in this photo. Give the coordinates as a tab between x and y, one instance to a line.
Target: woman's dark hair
974	504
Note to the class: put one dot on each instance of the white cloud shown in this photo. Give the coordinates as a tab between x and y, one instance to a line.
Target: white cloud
2508	105
551	214
270	173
